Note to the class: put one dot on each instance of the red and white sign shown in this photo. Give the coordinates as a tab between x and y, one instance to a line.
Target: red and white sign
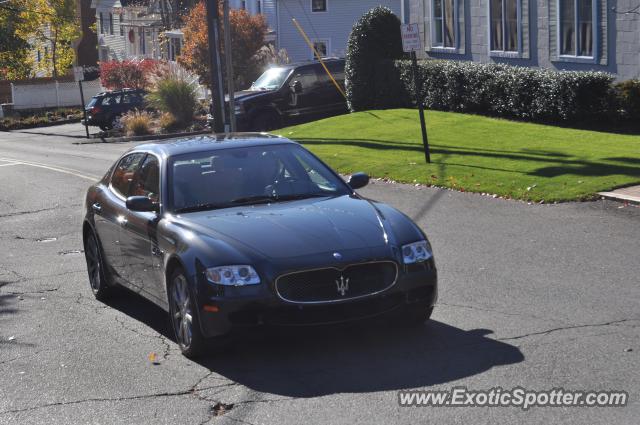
410	38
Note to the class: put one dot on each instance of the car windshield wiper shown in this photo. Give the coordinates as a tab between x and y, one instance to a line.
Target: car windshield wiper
258	199
265	199
199	207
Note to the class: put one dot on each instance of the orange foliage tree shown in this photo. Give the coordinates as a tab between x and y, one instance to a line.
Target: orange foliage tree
247	37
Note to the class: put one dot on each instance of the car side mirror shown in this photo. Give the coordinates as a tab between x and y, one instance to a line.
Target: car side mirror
297	87
142	204
358	180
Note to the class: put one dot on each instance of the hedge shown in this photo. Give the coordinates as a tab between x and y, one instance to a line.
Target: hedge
499	90
375	37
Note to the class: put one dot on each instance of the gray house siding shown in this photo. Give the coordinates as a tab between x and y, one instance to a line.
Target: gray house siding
617	47
334	25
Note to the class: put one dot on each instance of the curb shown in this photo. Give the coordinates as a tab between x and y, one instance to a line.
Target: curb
48	124
620	197
124	139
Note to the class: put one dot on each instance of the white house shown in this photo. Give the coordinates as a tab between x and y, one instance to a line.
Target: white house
133	29
327	23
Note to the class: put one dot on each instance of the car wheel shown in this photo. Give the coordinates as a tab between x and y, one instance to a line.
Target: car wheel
184	316
95	267
414	314
266	121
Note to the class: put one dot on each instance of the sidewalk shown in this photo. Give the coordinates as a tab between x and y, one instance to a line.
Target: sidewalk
625	194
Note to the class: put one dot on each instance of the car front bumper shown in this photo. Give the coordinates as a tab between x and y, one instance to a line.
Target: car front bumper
254	306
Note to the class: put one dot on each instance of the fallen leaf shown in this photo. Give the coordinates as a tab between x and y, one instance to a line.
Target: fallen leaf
11	338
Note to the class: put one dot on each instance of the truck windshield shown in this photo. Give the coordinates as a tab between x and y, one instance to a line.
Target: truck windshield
271	79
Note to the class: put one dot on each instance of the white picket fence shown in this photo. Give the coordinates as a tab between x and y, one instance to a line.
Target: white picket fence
51	95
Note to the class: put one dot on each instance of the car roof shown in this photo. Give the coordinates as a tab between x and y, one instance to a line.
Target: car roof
106	93
215	141
310	62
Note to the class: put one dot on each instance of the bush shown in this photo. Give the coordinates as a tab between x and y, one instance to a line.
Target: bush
168	123
374	39
134	74
506	91
136	123
628	97
175	92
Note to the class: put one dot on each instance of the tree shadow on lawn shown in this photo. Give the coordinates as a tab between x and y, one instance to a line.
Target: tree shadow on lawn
361	357
568	166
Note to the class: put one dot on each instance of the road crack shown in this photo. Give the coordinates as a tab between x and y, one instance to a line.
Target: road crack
564	328
187	392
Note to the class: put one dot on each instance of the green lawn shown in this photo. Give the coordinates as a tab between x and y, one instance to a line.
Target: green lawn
475	154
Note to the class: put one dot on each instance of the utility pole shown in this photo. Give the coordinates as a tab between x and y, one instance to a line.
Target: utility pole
229	65
217	92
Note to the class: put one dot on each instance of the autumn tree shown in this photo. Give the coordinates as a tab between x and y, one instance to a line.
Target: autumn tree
15	59
49	26
247	38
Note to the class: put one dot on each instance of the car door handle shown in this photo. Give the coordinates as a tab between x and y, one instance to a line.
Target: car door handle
97	207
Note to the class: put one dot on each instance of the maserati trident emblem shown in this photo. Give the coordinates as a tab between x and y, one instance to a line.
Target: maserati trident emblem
343	285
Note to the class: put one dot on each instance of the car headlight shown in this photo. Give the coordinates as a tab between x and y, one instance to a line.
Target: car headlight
416	252
233	275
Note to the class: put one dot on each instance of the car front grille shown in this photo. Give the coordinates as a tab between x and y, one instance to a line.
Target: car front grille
333	285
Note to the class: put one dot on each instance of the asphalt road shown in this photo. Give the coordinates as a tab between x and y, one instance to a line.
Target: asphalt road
533	296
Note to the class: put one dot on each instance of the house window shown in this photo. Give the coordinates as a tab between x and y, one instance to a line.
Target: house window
321	46
121	28
243	5
444	23
318	5
111	23
259	7
39	56
504	25
576	27
101	19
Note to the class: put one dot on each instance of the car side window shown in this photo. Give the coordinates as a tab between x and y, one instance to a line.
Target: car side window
111	100
129	98
124	173
147	180
307	77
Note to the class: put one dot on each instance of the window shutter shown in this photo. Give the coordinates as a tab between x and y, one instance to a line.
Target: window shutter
601	22
553	29
524	28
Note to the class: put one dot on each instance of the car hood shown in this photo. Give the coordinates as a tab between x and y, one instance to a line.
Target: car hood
296	228
248	94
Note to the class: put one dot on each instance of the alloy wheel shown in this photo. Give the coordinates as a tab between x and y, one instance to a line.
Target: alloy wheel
182	314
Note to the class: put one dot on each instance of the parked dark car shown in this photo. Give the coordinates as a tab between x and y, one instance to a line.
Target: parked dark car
105	109
251	229
290	94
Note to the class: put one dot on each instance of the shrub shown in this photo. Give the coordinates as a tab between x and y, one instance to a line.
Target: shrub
375	38
136	123
127	74
175	92
168	122
628	99
507	91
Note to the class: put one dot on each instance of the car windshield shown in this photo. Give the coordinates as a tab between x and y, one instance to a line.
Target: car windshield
271	79
251	175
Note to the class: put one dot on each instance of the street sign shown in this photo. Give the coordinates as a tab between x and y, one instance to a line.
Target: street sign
410	37
78	73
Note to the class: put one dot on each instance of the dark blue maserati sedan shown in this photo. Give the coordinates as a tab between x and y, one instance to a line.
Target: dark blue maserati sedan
239	230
